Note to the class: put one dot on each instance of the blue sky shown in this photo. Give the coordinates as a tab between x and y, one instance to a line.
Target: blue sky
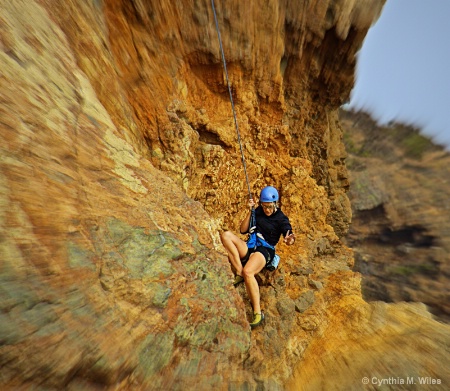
403	68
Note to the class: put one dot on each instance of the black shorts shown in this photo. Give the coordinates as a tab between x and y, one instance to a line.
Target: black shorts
267	252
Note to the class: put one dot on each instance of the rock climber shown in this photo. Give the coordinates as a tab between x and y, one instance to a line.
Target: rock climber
271	223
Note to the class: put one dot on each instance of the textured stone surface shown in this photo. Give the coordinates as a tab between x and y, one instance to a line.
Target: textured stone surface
390	346
119	166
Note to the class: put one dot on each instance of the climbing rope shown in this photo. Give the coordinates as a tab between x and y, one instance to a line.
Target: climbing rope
231	99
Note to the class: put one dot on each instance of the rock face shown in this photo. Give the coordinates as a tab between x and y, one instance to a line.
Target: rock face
119	167
401	220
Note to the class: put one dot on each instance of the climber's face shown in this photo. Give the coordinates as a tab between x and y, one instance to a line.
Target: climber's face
268	207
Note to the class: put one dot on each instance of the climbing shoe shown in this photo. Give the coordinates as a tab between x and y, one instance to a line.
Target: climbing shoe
237	280
257	320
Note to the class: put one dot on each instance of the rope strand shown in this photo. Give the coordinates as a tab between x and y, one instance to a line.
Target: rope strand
231	99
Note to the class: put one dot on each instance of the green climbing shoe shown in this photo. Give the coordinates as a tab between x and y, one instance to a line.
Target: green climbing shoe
257	320
237	280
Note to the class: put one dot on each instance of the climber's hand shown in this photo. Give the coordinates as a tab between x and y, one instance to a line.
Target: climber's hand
289	239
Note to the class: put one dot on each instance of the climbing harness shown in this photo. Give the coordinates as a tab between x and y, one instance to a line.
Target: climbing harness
255	239
231	99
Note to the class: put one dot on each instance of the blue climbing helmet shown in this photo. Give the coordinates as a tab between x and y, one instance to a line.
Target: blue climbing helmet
268	194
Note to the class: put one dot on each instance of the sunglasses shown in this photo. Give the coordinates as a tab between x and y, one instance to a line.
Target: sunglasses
267	207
